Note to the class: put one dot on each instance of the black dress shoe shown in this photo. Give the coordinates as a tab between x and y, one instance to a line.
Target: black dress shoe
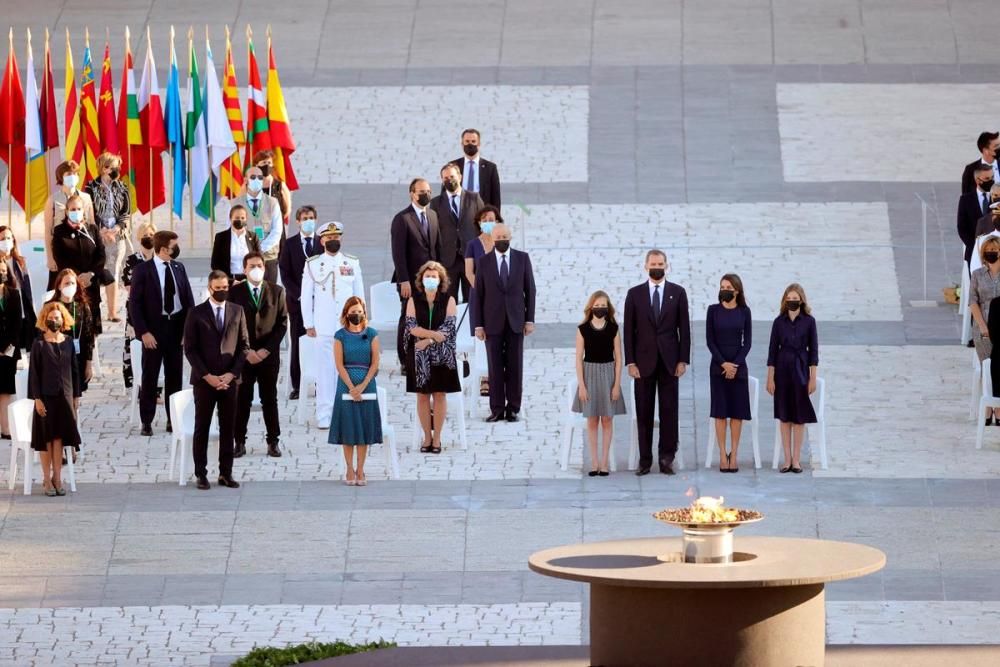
642	471
240	450
494	417
170	428
228	481
146	431
970	344
203	483
511	416
667	469
272	450
294	395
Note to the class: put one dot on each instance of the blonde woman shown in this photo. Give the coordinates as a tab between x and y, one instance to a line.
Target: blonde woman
599	376
792	364
983	288
69	182
113	211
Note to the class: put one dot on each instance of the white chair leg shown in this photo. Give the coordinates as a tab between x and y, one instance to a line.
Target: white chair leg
181	467
392	456
980	425
822	444
173	456
462	435
611	454
633	446
679	457
777	445
963	306
27	470
134	406
567	445
977	385
71	469
12	468
755	439
710	443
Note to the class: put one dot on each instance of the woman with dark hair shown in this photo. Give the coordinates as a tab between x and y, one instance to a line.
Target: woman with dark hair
11	327
792	363
728	329
19	278
477	247
77	304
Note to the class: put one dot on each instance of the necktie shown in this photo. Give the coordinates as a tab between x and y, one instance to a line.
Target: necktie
473	186
218	318
656	304
256	296
454	205
169	290
504	271
423	226
986	203
309	246
254	204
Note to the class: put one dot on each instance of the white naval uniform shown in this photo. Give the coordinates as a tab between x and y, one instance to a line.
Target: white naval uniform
327	282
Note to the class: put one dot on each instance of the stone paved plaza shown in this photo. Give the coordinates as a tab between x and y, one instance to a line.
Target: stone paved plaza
786	140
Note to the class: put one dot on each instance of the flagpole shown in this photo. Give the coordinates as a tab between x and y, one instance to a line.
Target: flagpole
173	155
190	188
10	147
27	158
211	173
149	48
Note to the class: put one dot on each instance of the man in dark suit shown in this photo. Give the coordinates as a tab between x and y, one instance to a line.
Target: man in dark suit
657	335
974	205
504	315
158	302
988	144
231	245
478	175
264	308
416	240
215	344
291	264
456	213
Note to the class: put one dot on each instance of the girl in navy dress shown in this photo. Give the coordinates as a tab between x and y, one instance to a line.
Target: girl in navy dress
728	333
792	361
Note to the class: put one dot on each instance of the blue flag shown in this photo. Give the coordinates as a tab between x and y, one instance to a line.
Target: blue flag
175	134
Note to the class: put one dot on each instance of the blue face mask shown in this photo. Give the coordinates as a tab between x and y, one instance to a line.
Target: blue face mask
75	216
431	284
308	226
487	227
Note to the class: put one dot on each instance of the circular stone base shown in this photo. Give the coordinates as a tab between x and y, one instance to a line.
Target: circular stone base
678	557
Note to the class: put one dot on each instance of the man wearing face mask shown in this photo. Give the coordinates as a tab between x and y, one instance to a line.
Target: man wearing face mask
272	185
988	144
456	213
974	205
216	345
328	281
232	245
263	219
990	221
478	175
291	264
657	336
416	240
69	181
264	308
158	303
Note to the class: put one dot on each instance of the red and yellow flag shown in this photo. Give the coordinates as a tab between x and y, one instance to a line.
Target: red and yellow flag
106	106
12	120
74	135
231	179
258	137
277	121
88	113
48	121
129	128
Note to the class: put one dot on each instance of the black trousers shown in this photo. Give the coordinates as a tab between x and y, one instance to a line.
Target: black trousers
662	382
505	357
271	270
170	355
458	284
265	376
400	348
206	400
295	329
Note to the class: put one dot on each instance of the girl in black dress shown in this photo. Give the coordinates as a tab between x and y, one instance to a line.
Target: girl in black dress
19	278
54	384
431	371
11	322
83	334
728	334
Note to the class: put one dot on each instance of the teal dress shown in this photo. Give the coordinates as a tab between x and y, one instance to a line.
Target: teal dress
355	422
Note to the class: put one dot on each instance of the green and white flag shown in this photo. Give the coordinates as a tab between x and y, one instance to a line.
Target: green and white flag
196	141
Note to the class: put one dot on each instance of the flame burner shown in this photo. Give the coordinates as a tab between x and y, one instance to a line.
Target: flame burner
708	529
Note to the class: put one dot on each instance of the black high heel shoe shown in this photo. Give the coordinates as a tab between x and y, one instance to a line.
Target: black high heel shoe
732	469
989	421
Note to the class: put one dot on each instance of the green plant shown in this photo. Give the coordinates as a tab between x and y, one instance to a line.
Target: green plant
297	654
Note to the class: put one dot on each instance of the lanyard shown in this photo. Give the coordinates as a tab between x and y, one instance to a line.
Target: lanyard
74	319
255	299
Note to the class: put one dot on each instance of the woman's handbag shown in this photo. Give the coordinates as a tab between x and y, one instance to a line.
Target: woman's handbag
466	368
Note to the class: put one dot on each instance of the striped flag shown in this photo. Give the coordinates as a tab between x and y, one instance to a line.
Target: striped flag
196	141
220	137
231	181
74	140
37	181
175	132
129	129
148	159
12	125
277	121
258	137
88	113
106	106
47	113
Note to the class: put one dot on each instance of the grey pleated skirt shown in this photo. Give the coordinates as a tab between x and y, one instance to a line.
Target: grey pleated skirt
599	378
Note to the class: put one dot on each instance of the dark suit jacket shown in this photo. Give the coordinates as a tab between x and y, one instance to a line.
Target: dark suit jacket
221	254
72	249
11	322
410	250
456	232
21	280
496	306
969	176
489	180
969	213
291	264
985	225
266	325
669	338
210	351
145	298
51	373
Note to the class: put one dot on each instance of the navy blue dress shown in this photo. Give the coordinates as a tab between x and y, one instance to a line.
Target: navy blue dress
794	348
728	334
474	250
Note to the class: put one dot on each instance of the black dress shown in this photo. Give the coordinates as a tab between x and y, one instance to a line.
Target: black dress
728	334
443	375
84	333
10	337
22	281
794	348
53	377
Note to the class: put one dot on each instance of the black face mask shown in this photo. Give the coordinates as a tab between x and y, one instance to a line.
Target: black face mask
220	295
991	257
599	312
354	318
332	246
794	305
502	246
657	274
52	325
423	199
239	224
265	169
175	252
986	185
113	174
451	185
726	295
470	149
146	243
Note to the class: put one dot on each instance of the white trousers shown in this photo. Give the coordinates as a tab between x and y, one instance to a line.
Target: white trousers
326	380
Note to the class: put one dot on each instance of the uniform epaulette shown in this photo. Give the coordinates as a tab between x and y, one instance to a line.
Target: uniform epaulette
348	256
314	258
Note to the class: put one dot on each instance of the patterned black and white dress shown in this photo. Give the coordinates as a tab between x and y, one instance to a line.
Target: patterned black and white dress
433	369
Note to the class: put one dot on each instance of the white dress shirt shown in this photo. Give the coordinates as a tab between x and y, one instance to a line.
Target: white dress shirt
161	270
237	250
500	256
652	286
455	197
470	164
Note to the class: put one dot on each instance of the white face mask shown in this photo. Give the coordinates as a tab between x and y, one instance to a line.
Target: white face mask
256	274
6	246
71	181
68	291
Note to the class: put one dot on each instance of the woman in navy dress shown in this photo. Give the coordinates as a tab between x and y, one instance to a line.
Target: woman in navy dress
356	422
792	361
477	247
728	328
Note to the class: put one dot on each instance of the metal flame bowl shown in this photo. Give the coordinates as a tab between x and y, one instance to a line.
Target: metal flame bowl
681	517
704	541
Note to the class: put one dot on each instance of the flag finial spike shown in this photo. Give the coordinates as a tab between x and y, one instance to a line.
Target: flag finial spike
171	33
268	31
148	39
107	35
28	30
227	32
86	37
67	38
249	32
46	38
190	33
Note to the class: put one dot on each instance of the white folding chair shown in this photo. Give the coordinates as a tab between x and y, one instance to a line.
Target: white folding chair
95	360
284	382
963	304
573	421
753	386
182	419
977	384
987	400
633	452
38	269
20	414
21	384
820	426
135	349
478	367
388	434
383	306
307	362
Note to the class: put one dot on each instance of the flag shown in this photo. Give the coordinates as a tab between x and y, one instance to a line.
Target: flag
258	138
231	181
220	137
196	141
129	130
88	113
36	179
175	132
12	126
277	122
47	113
147	161
106	106
74	138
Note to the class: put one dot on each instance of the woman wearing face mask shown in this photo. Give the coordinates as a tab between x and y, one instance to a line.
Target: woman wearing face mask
431	371
113	211
75	301
355	422
19	278
479	246
54	384
69	181
728	333
599	376
983	288
145	253
792	361
77	246
11	328
273	186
